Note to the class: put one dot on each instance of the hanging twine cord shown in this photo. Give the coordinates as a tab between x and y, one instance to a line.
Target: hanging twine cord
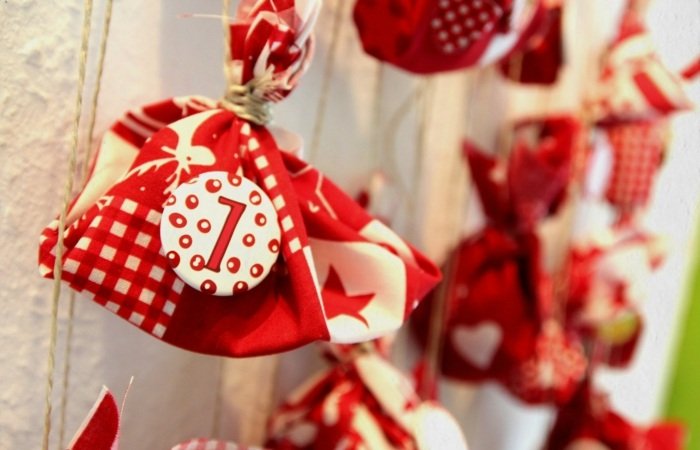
376	145
440	309
422	102
58	265
85	171
329	67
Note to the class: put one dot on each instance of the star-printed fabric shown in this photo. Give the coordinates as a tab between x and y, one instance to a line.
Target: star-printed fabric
589	422
638	150
361	403
100	429
609	277
635	85
429	36
539	59
196	227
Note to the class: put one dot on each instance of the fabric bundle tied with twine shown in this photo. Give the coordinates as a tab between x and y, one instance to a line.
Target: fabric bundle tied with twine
199	227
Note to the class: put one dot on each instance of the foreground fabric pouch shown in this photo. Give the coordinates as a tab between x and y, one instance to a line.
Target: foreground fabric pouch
197	228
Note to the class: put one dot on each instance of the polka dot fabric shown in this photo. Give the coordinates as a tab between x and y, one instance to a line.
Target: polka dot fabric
459	23
637	150
429	36
197	228
120	249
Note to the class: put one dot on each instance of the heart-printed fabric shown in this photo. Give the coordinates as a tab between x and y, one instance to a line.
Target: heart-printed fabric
492	315
430	36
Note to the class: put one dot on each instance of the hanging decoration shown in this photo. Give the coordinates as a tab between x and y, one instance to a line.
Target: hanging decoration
100	429
361	401
161	219
589	422
608	281
540	58
499	322
432	36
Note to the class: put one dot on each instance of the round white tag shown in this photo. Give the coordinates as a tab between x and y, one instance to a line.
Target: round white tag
219	232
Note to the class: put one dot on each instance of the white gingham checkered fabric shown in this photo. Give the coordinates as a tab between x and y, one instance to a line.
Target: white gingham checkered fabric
123	264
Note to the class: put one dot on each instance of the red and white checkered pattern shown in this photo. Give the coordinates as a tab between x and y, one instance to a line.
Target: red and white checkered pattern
116	257
113	244
637	150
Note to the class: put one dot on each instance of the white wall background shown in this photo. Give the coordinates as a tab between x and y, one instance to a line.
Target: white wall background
152	55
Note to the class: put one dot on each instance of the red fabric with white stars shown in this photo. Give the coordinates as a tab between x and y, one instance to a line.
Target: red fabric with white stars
287	309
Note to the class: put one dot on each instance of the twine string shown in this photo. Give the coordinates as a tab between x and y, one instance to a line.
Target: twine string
68	189
376	144
68	351
328	69
440	309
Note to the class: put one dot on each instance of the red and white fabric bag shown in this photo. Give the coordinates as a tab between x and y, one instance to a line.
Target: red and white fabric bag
362	402
197	227
588	422
633	98
498	308
429	36
635	84
608	283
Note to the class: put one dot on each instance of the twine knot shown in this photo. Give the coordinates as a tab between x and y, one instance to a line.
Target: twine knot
248	102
